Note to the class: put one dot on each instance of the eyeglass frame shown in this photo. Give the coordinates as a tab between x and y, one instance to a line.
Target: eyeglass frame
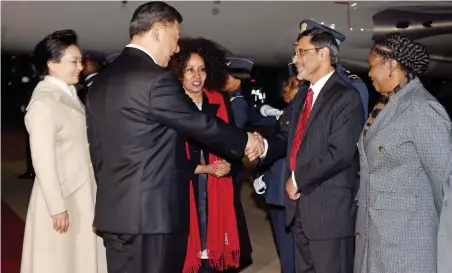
299	52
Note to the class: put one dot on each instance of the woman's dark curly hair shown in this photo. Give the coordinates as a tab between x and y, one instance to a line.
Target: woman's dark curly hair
412	57
213	56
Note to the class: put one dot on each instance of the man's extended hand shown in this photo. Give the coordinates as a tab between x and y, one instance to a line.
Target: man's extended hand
254	147
259	136
292	190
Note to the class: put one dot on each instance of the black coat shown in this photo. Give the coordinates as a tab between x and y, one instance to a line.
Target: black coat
138	119
85	88
195	148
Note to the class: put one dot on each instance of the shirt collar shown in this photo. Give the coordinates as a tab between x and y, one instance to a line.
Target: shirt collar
90	76
317	87
237	92
69	89
142	49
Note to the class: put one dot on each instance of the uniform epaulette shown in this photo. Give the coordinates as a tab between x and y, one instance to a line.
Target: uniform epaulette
233	98
351	76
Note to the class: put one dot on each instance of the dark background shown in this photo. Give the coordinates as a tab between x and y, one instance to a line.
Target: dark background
15	93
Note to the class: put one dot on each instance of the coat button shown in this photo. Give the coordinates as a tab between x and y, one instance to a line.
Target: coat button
382	149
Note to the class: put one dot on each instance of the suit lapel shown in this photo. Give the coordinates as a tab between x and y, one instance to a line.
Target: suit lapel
208	107
71	102
319	101
363	153
396	105
48	85
296	111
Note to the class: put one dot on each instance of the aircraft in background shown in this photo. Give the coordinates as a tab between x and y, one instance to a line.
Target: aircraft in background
263	31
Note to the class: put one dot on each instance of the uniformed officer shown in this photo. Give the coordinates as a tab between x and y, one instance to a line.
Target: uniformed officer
345	74
238	86
272	183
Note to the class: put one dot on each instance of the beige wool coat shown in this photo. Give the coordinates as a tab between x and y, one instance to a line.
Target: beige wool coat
55	121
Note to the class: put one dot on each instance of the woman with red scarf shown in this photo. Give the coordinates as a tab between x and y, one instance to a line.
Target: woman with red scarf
218	239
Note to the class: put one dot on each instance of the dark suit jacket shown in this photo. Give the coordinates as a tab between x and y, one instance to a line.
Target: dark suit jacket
327	161
236	165
86	86
138	118
275	178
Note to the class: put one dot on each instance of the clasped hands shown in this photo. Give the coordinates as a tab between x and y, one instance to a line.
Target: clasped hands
255	146
219	168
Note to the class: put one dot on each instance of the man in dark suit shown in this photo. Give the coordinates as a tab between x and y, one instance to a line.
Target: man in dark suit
92	64
343	72
323	160
138	118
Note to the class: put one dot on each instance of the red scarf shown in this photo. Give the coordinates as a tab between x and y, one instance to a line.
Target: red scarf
222	243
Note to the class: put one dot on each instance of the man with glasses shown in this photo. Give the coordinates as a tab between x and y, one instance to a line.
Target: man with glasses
323	161
343	72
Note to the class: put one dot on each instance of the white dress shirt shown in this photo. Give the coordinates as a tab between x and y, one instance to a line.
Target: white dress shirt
90	76
316	88
142	49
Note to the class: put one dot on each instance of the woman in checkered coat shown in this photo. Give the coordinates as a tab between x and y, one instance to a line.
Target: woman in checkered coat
403	154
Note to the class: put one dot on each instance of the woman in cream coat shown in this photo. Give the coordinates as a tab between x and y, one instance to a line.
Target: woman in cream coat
59	237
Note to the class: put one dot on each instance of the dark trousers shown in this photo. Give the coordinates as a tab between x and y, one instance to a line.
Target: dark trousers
145	253
321	256
284	239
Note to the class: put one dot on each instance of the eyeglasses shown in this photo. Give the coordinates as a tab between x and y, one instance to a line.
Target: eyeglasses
299	52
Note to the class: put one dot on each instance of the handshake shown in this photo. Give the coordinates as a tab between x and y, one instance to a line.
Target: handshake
255	146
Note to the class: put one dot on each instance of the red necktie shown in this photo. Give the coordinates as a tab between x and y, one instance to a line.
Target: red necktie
300	129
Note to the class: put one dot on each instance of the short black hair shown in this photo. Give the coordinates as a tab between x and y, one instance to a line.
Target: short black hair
96	63
146	15
320	39
240	73
214	58
412	57
52	48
